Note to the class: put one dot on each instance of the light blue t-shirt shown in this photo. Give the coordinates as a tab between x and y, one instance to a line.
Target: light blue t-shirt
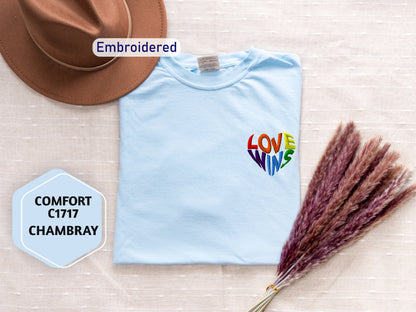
209	161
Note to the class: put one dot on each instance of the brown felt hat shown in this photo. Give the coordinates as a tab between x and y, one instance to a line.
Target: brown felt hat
48	44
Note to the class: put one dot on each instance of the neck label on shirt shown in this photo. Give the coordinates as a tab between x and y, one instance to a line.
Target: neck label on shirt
209	62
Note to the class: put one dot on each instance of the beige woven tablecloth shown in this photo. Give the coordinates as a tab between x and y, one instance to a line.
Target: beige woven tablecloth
359	63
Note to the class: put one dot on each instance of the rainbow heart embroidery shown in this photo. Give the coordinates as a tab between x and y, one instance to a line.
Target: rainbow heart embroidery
267	153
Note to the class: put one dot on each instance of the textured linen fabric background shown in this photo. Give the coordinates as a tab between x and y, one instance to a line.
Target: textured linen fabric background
359	60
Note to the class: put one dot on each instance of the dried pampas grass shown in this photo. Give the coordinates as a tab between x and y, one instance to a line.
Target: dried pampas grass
353	189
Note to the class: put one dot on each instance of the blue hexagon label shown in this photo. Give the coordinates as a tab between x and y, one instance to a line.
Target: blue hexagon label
58	219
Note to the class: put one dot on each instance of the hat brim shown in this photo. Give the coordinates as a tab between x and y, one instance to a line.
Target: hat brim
79	87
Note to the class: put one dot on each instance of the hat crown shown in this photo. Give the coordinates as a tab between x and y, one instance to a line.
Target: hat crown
65	30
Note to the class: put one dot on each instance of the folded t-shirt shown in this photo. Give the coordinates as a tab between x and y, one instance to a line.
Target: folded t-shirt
209	161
